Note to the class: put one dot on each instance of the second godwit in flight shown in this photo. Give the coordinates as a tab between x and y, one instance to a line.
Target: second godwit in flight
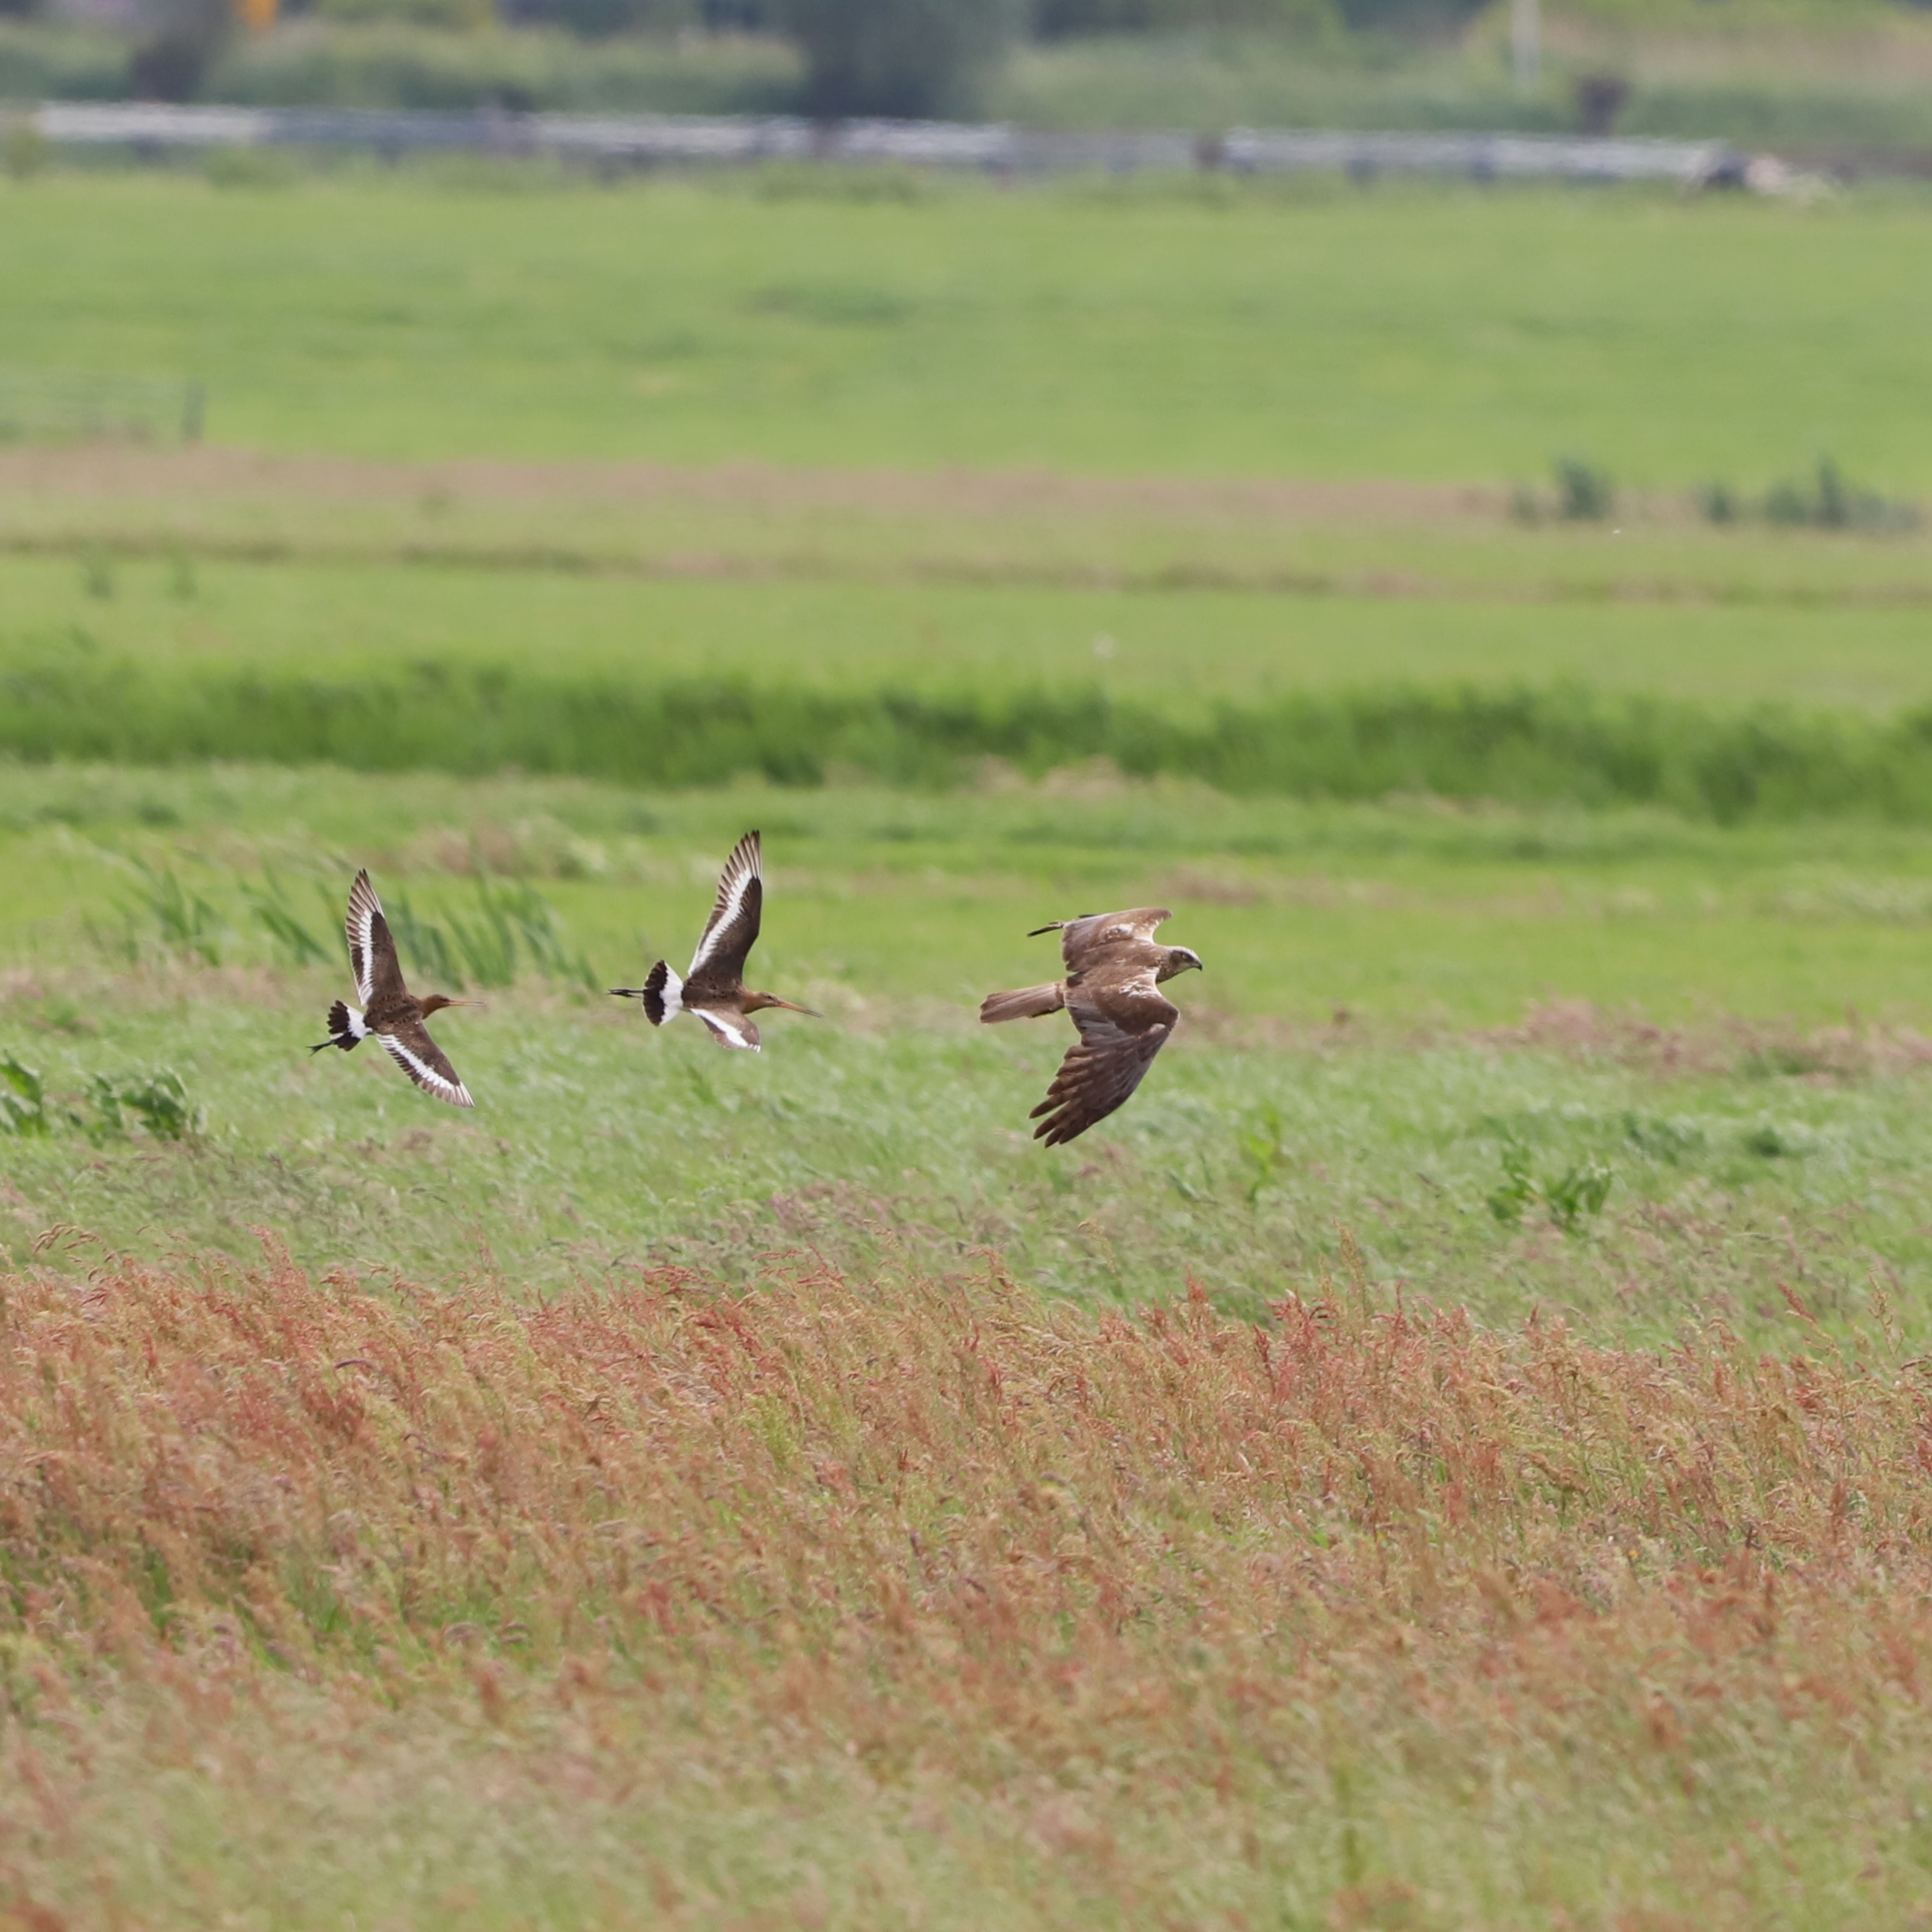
714	988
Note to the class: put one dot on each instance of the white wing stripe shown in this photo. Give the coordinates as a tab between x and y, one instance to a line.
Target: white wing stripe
726	918
364	905
455	1091
723	1028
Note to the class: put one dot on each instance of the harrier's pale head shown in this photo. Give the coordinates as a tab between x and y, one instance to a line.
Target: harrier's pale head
1180	959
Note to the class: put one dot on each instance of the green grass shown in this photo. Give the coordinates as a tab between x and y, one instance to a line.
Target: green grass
1561	748
898	1121
1419	914
1423	333
1185	648
495	1572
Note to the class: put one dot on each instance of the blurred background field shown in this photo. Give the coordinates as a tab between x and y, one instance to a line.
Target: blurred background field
1403	334
1444	1456
1834	80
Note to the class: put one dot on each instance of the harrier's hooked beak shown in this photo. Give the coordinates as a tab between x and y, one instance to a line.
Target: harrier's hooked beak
1182	958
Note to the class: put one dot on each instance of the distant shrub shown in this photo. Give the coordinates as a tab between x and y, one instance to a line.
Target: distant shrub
1717	503
1827	502
1583	493
908	58
180	43
1600	99
1823	500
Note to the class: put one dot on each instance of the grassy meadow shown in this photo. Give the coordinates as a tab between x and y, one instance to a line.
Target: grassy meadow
1301	330
1449	1454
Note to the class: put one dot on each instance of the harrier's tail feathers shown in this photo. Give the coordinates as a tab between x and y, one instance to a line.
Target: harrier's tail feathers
663	994
1027	1003
345	1028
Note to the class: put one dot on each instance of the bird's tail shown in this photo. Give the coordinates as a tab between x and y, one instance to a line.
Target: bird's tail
345	1028
1028	1003
663	993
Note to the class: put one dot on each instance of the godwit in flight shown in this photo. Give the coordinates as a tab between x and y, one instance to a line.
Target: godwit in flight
714	988
390	1011
1114	969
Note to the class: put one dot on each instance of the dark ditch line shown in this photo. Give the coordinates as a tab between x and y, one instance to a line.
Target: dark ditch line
794	567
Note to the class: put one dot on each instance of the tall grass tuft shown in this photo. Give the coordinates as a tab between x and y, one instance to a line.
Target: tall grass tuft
511	928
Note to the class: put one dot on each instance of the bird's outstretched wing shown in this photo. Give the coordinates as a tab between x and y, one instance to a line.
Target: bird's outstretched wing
1122	1025
419	1056
1085	940
372	947
728	1029
733	929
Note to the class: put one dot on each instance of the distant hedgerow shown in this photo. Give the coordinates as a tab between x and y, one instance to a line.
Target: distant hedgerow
1563	745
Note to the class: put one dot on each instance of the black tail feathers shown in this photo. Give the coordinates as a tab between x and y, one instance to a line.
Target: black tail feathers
654	982
339	1033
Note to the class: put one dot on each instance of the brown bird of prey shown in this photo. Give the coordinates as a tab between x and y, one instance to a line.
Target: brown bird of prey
1114	970
714	988
390	1011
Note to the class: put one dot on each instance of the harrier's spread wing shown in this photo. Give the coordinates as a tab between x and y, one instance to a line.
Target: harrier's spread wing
1085	940
1122	1026
732	930
419	1056
372	947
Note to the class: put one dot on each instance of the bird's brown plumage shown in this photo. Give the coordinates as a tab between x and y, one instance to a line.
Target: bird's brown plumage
1112	992
390	1011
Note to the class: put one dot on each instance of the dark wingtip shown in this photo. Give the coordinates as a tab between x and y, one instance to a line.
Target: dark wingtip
1055	927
